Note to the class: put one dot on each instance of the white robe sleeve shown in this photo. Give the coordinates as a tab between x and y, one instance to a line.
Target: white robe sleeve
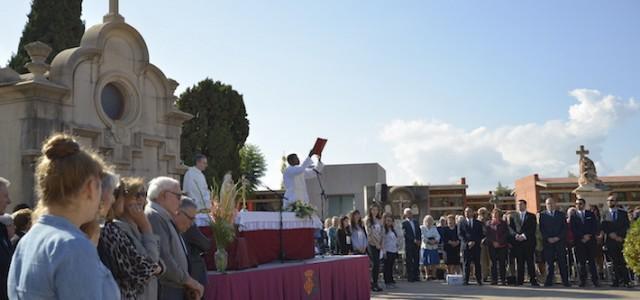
310	172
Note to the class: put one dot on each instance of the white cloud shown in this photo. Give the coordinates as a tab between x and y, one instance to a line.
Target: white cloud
632	167
438	152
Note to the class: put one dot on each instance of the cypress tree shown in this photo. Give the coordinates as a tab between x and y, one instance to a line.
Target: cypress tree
218	129
56	23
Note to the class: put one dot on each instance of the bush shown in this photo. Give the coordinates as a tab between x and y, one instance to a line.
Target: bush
632	247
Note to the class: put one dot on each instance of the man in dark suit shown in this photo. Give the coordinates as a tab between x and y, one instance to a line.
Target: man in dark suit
522	227
6	250
585	227
412	240
471	233
553	227
615	225
196	242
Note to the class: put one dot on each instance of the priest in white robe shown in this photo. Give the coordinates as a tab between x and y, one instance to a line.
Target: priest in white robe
295	177
195	185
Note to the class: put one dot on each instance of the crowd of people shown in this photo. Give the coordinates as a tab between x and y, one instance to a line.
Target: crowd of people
96	235
495	246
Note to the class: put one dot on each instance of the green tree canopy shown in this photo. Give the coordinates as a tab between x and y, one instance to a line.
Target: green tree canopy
503	190
218	129
56	23
252	165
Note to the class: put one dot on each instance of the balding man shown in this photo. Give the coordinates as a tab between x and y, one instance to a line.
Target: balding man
164	201
553	227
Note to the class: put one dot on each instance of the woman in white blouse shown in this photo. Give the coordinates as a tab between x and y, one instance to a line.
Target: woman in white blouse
430	240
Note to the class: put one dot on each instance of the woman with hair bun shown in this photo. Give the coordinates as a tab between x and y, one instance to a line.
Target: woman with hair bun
55	259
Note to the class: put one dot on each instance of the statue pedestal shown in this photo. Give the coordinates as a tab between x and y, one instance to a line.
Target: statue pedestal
593	195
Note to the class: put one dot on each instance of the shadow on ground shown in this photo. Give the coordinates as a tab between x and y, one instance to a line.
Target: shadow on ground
439	290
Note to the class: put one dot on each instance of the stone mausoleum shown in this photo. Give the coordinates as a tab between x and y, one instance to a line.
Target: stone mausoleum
106	92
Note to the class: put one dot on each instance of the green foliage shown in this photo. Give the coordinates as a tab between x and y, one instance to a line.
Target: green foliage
55	23
252	166
223	232
632	247
503	190
218	129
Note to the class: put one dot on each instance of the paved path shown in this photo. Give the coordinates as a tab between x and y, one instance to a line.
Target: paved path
439	290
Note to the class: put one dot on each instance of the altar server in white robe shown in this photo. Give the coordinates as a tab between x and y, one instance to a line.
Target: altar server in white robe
195	186
295	177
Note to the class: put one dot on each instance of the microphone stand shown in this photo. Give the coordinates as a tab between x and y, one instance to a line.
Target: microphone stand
282	198
323	198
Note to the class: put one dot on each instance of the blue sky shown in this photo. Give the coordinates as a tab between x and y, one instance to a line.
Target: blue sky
431	90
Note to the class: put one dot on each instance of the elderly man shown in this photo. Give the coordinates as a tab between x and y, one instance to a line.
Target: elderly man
196	242
553	227
412	240
195	184
6	250
164	201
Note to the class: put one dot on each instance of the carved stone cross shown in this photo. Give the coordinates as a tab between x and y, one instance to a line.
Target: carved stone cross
113	7
114	14
582	151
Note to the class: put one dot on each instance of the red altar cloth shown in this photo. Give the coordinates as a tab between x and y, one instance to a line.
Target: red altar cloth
297	243
262	246
337	277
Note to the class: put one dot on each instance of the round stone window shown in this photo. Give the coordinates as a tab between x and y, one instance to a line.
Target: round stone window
112	102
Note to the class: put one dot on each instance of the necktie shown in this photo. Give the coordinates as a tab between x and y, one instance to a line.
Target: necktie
522	215
471	223
615	215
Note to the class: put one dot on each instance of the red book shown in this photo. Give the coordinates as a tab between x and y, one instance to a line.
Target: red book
319	146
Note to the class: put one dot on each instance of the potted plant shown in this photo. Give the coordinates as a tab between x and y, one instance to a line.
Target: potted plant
223	215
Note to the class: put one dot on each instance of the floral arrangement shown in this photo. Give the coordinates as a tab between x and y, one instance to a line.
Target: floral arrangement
302	209
223	213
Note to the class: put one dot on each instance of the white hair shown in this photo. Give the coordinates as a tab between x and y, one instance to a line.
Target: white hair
110	180
4	182
159	185
6	219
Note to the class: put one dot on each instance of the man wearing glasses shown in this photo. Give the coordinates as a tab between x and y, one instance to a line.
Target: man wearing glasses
164	204
585	227
196	242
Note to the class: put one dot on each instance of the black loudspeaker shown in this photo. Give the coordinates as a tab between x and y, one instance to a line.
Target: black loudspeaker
440	274
384	193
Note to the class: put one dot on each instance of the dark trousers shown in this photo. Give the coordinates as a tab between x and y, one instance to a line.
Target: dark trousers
374	257
586	253
388	267
498	263
412	255
472	255
620	271
558	253
524	255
